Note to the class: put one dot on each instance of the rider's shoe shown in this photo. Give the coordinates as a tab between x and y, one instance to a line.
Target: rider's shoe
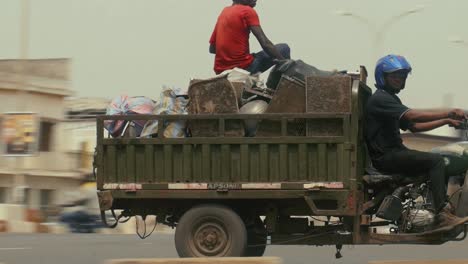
446	218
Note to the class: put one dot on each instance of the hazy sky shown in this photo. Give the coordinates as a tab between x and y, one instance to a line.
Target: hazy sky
137	46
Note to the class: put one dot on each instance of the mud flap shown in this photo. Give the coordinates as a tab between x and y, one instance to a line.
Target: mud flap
104	220
462	201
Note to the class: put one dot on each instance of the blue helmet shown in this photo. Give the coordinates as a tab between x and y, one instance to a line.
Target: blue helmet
387	64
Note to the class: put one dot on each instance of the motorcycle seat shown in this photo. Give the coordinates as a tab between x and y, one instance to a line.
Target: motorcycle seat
374	177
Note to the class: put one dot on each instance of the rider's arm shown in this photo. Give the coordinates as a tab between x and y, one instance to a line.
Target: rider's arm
417	116
427	126
266	44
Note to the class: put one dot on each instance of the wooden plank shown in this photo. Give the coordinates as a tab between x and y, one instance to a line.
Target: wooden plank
302	162
232	194
159	171
214	117
177	163
111	164
292	163
339	162
225	163
263	156
206	163
149	166
122	164
236	260
197	163
254	161
168	172
101	173
332	162
225	140
322	162
313	163
187	163
274	163
130	164
140	172
283	160
235	164
245	162
215	162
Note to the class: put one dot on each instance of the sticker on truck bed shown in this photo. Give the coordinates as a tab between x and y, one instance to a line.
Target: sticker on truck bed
226	186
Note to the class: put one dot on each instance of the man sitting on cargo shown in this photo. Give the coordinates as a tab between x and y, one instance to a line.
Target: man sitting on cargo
230	40
386	115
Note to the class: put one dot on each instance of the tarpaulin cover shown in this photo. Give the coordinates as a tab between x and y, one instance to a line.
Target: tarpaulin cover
125	105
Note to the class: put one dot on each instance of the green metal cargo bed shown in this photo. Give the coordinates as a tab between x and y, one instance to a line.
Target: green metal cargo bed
325	162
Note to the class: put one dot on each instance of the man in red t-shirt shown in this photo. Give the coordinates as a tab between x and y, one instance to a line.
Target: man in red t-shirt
230	40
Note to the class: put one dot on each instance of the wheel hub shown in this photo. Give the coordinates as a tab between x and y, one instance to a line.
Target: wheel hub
211	239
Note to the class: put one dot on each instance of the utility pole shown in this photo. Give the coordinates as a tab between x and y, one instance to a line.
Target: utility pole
21	93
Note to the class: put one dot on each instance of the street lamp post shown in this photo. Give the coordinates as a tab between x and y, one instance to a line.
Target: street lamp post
379	32
459	41
22	91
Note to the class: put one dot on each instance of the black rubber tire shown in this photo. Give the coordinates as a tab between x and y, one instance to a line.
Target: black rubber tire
204	225
256	239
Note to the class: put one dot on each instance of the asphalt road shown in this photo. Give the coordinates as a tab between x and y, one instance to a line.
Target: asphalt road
95	249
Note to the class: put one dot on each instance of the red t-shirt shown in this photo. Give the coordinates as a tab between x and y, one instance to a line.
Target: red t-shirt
231	37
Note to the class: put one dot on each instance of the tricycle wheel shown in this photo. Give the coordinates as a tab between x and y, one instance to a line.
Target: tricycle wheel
210	231
256	239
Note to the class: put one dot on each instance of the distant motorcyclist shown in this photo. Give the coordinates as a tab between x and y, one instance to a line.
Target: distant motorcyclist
386	115
81	214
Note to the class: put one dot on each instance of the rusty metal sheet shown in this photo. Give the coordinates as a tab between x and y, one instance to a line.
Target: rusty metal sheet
212	96
327	95
288	98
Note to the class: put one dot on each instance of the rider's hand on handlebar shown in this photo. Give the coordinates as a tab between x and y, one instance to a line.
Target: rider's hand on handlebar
458	114
455	123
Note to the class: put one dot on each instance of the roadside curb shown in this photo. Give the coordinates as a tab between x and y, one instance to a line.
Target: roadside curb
455	261
255	260
59	228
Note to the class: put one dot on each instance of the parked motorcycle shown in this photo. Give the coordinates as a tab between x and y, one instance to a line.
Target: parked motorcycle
405	201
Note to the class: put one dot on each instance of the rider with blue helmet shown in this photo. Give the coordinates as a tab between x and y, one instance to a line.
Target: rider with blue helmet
386	115
391	64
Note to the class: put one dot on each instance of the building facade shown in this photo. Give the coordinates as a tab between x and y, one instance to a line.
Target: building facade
47	177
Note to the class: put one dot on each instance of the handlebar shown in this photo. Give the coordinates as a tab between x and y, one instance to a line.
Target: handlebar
463	125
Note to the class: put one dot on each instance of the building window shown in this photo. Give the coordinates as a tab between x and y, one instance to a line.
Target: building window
45	136
26	197
46	199
3	195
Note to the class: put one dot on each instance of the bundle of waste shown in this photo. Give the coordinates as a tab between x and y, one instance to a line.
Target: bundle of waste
171	102
125	105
